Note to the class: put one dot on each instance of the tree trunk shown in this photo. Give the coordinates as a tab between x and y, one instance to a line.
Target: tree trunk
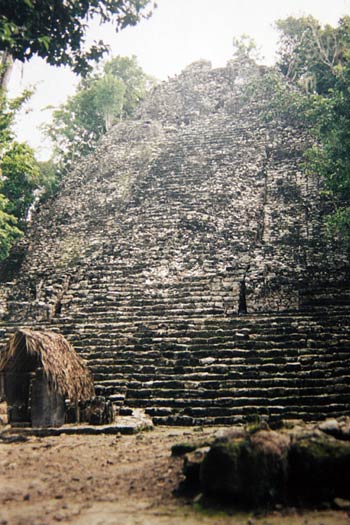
6	66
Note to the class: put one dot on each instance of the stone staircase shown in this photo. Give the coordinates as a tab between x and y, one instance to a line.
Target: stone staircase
178	351
195	211
218	370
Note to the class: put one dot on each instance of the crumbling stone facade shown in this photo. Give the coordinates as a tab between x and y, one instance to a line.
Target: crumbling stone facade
187	260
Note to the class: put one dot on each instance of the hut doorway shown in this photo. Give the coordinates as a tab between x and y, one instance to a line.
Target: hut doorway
30	399
47	405
18	380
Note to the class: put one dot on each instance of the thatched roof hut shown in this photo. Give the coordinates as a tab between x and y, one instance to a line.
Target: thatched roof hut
42	368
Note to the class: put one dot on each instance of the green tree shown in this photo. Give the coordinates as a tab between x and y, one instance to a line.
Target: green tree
48	179
9	232
310	51
20	178
245	49
109	99
102	98
136	82
56	30
316	60
310	88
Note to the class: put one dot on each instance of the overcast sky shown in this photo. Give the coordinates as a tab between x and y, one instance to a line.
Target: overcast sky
178	33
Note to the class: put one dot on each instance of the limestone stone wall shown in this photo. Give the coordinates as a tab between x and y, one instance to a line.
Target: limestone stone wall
187	261
197	187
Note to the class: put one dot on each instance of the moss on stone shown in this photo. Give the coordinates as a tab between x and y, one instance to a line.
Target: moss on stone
242	471
185	447
180	449
319	469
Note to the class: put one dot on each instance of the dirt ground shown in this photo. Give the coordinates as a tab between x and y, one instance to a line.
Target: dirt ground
114	480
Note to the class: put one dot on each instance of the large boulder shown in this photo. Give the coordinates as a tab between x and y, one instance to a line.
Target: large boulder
319	469
299	465
251	470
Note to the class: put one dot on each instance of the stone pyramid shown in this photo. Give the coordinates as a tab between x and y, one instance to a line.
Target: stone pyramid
187	260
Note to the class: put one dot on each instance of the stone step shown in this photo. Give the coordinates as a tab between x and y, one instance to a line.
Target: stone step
215	369
222	368
241	408
224	320
196	335
251	414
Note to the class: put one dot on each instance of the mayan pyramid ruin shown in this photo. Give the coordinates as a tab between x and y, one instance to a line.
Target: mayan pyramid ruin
187	261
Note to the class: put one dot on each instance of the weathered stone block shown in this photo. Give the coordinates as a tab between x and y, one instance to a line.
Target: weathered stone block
251	470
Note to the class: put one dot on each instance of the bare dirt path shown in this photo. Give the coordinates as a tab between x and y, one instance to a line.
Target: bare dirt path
112	480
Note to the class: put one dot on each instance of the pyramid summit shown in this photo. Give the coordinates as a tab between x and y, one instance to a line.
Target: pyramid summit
187	260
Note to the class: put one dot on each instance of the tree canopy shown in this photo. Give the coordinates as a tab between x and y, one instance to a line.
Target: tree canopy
309	50
19	176
9	232
310	87
317	59
56	30
101	99
22	178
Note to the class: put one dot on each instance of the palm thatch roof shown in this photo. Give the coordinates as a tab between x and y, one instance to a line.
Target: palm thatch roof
64	369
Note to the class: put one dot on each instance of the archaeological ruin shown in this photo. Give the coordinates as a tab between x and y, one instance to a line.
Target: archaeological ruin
188	262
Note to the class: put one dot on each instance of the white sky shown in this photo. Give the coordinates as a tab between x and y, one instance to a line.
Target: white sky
178	33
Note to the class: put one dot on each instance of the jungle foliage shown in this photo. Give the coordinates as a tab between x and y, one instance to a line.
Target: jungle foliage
19	176
311	88
56	31
108	94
